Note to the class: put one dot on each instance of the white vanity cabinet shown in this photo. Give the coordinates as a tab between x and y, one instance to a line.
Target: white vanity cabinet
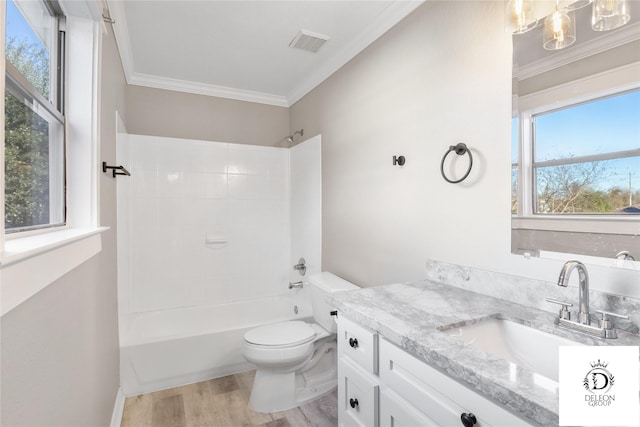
358	383
380	384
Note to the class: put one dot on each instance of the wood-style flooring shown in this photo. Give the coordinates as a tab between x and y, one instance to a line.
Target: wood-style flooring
221	402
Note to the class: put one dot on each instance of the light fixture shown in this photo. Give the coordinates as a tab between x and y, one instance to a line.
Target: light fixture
559	30
609	14
571	5
519	16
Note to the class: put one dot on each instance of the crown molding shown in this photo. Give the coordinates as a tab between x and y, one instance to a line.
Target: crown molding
391	16
147	80
624	35
121	32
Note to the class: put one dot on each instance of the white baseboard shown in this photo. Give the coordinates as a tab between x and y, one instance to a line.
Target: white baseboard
118	409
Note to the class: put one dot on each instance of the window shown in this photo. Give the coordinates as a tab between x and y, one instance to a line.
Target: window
586	157
580	158
34	194
60	138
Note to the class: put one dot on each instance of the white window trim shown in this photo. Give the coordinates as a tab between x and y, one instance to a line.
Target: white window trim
599	85
31	261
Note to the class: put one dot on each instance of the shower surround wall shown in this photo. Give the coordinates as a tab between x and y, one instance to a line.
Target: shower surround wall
208	223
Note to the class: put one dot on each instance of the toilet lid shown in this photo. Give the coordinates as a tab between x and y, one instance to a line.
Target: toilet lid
283	333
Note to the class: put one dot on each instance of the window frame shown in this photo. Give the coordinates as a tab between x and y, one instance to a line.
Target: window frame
53	109
31	262
602	85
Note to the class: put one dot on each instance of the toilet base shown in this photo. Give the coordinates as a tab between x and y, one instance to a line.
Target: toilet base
276	391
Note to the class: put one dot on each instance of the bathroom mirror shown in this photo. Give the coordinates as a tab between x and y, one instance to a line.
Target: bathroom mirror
552	77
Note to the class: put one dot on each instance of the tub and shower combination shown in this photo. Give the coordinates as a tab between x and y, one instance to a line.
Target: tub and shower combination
207	235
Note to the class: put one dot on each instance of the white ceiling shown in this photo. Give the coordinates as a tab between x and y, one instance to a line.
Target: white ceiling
240	49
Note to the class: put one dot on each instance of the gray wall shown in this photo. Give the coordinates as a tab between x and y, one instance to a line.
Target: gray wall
442	76
60	354
159	112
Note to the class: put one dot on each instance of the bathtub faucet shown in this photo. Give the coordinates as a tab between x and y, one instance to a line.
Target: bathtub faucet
301	267
297	285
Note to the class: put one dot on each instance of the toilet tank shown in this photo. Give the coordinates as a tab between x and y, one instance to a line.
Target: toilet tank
323	284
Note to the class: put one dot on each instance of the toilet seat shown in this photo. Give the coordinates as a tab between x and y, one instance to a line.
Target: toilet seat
282	334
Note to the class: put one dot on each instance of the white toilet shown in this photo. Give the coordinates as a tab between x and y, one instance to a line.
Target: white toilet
296	361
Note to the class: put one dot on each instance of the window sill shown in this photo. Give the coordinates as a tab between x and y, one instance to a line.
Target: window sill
30	264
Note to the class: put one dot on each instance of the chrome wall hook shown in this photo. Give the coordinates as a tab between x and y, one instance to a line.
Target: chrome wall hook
398	160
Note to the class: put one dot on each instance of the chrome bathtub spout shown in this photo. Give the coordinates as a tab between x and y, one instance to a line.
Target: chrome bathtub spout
583	290
295	285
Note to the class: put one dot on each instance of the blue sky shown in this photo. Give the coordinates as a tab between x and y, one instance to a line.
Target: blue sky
611	124
18	27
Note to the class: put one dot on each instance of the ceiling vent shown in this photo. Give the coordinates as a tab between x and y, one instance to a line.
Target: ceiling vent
306	40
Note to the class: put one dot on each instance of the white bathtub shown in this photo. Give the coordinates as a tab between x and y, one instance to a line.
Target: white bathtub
168	348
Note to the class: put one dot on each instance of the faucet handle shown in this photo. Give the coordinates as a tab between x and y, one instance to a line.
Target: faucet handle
564	313
605	324
608	313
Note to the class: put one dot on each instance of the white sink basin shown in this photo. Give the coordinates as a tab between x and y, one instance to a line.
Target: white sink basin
517	343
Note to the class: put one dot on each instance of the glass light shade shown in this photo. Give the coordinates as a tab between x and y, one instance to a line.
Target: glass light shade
519	17
559	30
609	14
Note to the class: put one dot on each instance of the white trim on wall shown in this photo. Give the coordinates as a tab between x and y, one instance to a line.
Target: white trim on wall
148	80
118	409
26	271
618	38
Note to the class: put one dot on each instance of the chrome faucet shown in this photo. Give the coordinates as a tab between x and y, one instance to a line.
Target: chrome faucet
606	329
583	292
625	256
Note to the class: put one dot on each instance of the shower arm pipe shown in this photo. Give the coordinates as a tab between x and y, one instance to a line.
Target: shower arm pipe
291	137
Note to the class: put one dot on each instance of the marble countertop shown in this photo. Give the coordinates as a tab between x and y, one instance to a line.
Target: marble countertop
412	316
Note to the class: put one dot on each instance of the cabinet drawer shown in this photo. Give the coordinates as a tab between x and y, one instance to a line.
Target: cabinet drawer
358	343
357	396
439	397
396	412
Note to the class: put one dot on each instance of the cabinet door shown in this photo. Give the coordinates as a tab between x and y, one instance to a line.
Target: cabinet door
357	396
396	412
358	343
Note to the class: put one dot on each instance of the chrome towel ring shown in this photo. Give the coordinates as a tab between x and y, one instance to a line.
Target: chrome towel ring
460	149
